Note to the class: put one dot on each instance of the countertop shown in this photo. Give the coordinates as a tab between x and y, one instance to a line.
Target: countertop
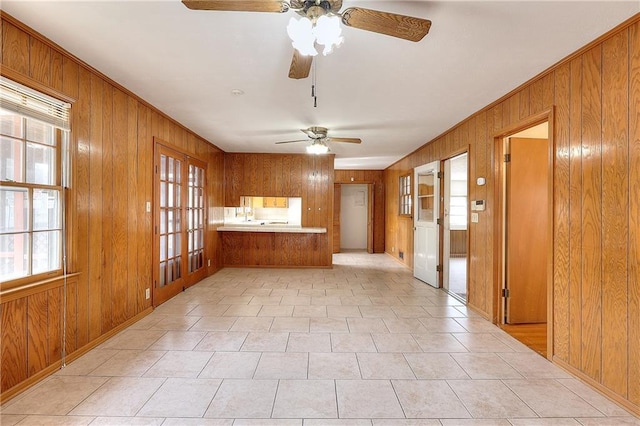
271	228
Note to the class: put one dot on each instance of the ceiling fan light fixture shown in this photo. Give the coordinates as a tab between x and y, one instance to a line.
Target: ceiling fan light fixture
328	33
302	37
317	148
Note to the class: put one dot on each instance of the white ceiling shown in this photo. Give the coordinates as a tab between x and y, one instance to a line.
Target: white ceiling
394	94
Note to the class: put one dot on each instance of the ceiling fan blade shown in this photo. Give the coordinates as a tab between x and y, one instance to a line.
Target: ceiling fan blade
301	140
391	24
277	6
347	140
300	65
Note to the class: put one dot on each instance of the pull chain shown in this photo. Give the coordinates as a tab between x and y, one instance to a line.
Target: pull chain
314	93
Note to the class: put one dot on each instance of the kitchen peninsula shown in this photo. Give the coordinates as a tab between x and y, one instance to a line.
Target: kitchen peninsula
304	240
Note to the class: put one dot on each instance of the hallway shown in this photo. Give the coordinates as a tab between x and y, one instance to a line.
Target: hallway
362	343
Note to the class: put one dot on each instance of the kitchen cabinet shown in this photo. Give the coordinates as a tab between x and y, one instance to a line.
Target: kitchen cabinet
278	202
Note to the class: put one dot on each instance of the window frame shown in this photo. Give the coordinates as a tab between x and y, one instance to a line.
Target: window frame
405	195
59	140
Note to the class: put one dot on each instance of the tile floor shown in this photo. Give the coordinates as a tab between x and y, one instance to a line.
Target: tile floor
360	344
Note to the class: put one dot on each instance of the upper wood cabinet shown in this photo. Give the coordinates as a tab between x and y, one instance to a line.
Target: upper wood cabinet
278	202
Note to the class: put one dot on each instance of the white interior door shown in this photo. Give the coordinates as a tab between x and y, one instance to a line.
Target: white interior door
426	234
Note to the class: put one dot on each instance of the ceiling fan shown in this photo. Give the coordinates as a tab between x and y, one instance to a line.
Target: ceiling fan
391	24
318	137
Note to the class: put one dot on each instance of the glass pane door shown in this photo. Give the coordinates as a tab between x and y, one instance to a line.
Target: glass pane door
195	217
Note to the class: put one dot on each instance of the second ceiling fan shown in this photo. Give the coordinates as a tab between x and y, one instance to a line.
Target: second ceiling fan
391	24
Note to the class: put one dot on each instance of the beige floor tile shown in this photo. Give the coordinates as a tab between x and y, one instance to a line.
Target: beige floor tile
439	342
305	399
442	325
284	292
313	292
384	366
287	365
242	311
367	399
252	324
221	341
181	398
213	324
54	396
356	300
548	398
119	396
296	300
384	300
428	399
421	301
387	342
133	339
175	322
377	311
597	400
276	311
290	324
475	325
266	300
196	421
56	420
127	421
11	419
432	366
257	292
481	342
178	341
611	421
179	364
231	365
409	311
328	325
128	363
444	312
309	342
326	301
352	342
367	325
490	399
477	422
557	421
333	366
310	311
236	300
267	422
405	325
266	342
209	310
533	366
343	312
485	366
337	422
87	362
243	399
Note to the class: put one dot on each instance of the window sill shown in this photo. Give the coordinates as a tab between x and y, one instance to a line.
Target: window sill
16	291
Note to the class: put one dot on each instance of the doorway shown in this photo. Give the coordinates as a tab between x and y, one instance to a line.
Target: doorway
455	226
527	235
354	208
426	241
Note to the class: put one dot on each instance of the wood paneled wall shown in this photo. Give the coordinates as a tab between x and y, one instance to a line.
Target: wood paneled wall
595	94
376	177
310	177
110	231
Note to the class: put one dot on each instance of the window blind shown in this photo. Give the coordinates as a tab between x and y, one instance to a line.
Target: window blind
30	103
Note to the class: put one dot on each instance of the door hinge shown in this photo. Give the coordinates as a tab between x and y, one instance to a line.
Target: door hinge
440	175
505	292
156	229
156	169
507	158
439	268
439	221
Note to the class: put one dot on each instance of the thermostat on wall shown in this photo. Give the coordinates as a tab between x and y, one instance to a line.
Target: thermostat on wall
477	205
481	181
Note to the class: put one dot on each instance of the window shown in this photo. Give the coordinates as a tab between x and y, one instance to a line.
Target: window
31	195
405	195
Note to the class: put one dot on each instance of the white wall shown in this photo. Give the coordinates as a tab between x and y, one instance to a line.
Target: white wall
353	217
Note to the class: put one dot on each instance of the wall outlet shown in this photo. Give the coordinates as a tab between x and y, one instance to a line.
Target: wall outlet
401	255
393	249
147	293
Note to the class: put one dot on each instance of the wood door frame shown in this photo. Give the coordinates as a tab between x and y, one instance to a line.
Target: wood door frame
454	154
499	217
337	203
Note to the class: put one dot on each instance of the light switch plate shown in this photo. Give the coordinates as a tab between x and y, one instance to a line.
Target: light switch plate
148	206
474	217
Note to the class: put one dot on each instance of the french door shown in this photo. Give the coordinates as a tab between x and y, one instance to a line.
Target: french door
179	237
426	241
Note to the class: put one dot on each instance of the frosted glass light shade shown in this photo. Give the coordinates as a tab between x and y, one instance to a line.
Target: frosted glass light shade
304	34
